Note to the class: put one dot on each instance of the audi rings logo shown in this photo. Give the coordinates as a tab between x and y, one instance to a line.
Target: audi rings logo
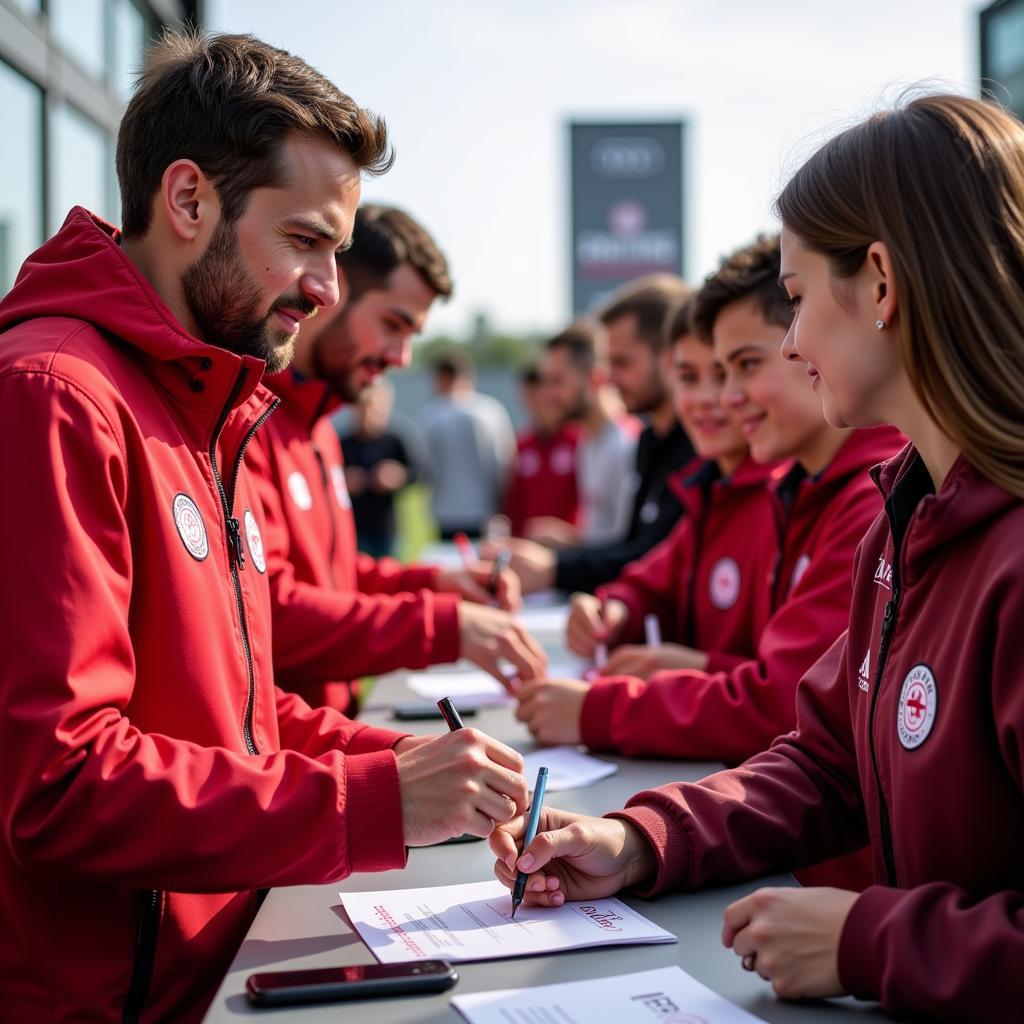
627	157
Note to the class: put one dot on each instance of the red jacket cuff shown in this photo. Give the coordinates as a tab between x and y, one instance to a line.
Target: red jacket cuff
373	811
420	577
665	835
861	949
447	635
370	740
596	715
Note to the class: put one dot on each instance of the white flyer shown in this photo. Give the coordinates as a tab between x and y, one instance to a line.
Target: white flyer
545	622
473	922
666	994
568	768
475	687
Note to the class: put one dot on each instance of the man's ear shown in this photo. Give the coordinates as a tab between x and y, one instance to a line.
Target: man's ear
884	290
188	200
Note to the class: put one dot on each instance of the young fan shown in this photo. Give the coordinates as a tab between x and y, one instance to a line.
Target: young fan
702	581
824	504
903	247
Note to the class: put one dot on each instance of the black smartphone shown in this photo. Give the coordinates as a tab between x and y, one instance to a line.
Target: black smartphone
359	981
419	711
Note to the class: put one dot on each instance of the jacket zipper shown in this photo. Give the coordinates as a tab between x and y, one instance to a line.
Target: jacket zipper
888	627
328	493
236	554
145	957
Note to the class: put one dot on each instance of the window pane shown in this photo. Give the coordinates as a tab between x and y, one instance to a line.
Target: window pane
129	43
21	172
79	28
82	168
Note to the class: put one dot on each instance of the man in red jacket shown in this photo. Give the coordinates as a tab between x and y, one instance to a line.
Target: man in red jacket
714	710
153	776
339	614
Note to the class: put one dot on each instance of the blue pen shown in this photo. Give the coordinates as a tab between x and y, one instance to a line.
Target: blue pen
519	889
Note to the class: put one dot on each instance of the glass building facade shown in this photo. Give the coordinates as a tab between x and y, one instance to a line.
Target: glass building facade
66	69
1002	53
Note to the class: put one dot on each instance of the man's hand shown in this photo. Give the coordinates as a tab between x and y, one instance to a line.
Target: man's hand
573	857
587	627
639	660
551	532
463	781
472	584
551	709
356	479
407	743
388	475
533	563
489	634
791	938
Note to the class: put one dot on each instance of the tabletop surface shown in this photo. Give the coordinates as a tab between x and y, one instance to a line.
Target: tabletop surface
305	927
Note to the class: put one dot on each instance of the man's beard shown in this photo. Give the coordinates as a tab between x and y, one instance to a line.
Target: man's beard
341	380
654	396
224	302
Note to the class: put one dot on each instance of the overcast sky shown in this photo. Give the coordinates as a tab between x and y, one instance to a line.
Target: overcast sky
478	93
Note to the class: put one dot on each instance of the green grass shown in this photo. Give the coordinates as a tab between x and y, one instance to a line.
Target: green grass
416	526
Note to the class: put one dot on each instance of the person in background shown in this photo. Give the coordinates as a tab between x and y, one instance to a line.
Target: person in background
542	494
339	615
574	375
640	368
470	445
703	582
903	256
154	778
377	466
709	706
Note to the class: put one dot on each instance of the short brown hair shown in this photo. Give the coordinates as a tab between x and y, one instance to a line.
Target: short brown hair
750	271
228	102
680	324
652	300
582	343
383	238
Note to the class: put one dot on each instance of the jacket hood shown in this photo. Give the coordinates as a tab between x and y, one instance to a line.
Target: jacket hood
82	272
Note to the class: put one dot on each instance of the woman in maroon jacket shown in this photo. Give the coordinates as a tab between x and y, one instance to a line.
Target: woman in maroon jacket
903	251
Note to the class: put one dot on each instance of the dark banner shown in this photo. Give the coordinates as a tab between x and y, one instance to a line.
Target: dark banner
627	206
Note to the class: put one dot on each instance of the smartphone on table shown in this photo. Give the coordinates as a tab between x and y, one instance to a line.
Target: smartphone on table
357	981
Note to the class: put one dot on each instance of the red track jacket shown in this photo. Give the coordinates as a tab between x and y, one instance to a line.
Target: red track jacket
704	581
730	715
338	614
910	733
153	777
543	478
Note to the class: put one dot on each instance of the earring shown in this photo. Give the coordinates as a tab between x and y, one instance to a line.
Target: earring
880	324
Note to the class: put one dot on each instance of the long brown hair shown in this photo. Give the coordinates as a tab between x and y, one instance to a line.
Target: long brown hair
940	180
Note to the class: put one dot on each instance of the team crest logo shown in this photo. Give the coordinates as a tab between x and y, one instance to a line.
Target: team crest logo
298	487
919	700
529	463
254	539
562	461
191	528
340	487
799	569
724	585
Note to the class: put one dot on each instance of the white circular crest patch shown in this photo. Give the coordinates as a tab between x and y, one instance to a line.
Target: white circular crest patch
298	487
799	569
919	700
254	539
724	584
340	487
528	463
191	528
563	462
